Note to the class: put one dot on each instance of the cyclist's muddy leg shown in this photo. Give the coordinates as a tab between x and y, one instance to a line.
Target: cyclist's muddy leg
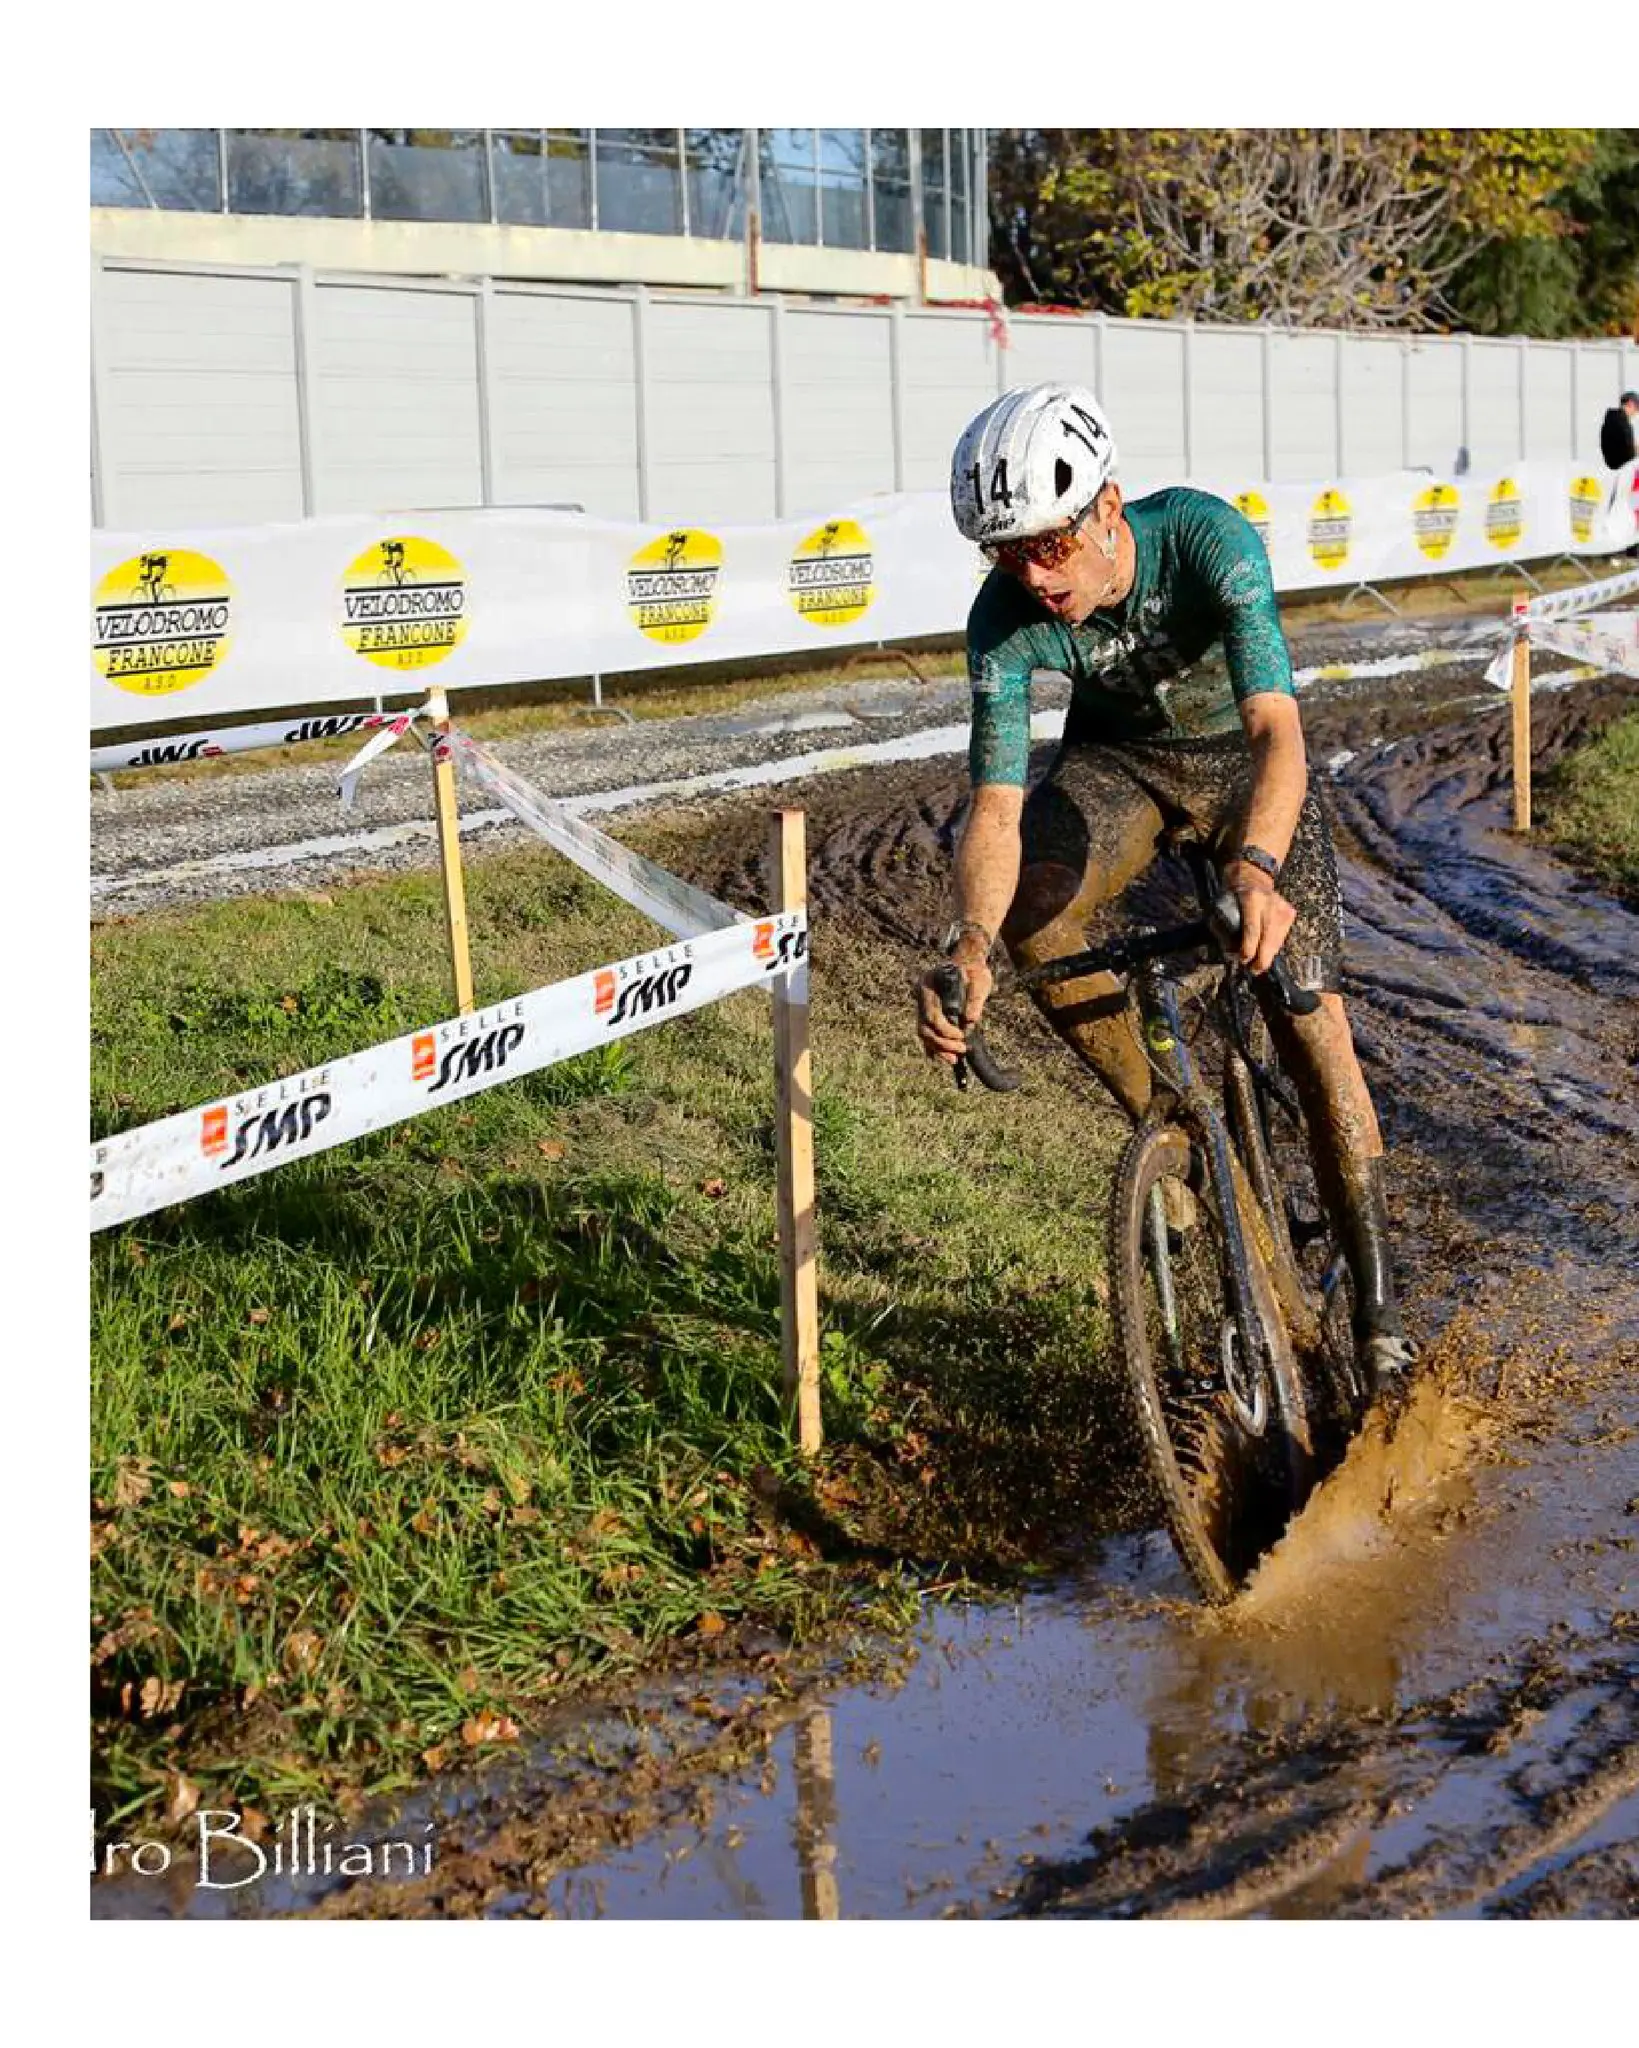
1318	1052
1086	836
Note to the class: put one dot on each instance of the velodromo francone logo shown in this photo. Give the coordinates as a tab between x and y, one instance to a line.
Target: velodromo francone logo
1587	495
1434	514
1505	515
404	603
1255	511
671	585
161	621
1331	522
832	577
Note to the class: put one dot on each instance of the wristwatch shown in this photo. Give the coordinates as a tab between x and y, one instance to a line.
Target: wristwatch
1265	863
959	930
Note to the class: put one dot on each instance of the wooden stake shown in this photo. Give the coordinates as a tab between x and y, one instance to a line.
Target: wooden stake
794	1150
1522	719
449	857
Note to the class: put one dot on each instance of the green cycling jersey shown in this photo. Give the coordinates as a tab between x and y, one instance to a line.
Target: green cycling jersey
1198	631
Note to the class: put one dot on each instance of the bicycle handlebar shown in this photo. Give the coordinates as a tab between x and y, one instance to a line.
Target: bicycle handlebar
1132	949
950	985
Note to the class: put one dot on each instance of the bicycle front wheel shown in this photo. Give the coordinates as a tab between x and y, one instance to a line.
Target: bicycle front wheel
1226	1436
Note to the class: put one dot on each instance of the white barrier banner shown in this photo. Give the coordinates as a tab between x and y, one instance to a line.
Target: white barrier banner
237	619
1581	597
677	906
233	739
219	1144
1608	641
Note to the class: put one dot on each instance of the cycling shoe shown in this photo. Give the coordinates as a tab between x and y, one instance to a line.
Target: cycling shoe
1388	1361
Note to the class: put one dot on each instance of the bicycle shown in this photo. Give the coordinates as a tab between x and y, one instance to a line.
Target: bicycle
1231	1297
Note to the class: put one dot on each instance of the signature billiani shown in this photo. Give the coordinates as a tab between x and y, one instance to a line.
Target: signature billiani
301	1846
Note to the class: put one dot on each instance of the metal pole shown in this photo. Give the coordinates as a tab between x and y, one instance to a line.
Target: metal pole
101	495
483	305
640	369
683	174
305	322
944	137
1267	392
919	231
819	189
222	165
364	170
489	177
776	371
754	208
592	175
870	192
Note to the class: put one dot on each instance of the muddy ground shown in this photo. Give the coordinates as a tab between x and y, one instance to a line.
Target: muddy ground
1427	1703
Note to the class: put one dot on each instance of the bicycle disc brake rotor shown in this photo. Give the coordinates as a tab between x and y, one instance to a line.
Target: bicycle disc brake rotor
1248	1391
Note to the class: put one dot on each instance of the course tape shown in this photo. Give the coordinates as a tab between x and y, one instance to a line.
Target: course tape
1582	597
234	739
219	1144
1607	642
675	905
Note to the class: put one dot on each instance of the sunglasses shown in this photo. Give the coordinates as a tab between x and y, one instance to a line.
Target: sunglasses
1045	550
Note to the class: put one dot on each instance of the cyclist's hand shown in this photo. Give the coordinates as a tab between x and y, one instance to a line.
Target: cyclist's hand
941	1039
1266	916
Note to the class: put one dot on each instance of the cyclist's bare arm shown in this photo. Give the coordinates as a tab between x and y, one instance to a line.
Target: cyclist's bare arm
1280	778
986	876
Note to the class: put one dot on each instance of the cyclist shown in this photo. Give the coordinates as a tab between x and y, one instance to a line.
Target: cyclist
1162	613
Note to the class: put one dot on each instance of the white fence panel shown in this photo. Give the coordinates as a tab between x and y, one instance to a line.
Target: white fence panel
838	394
1372	408
1303	407
1226	404
710	418
564	426
1051	350
1493	404
199	376
1434	405
1143	393
395	399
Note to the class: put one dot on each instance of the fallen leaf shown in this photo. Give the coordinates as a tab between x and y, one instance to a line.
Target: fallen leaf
303	1649
178	1322
425	1523
158	1696
132	1481
259	1316
550	1148
714	1190
181	1797
427	1340
435	1758
253	1823
468	1680
289	1005
179	1489
710	1624
488	1727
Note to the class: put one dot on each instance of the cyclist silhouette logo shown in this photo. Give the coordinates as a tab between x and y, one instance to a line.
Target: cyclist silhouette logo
828	539
393	569
151	586
676	543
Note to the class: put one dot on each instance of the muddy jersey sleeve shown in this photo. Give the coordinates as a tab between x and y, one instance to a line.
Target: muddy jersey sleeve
1001	656
1232	565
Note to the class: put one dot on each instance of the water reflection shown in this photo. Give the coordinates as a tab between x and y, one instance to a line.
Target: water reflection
816	1820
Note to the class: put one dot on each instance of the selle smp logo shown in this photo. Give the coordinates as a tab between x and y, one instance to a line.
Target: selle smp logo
641	994
162	754
485	1053
269	1130
777	949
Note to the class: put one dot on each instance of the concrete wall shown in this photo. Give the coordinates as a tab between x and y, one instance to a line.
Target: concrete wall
223	395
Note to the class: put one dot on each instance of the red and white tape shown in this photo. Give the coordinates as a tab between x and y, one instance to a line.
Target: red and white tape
218	1144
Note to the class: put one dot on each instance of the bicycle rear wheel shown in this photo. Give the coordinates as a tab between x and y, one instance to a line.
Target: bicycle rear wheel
1228	1476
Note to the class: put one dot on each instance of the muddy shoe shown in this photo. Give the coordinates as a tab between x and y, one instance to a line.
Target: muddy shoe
1388	1361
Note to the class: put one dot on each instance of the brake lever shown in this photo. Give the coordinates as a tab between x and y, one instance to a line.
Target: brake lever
950	986
1301	1002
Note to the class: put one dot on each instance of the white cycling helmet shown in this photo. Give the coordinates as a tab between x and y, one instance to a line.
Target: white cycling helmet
1033	460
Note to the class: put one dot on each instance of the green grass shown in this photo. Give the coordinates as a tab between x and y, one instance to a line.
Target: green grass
1588	807
450	1420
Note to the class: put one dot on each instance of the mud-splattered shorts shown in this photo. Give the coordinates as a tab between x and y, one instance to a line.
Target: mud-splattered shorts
1102	810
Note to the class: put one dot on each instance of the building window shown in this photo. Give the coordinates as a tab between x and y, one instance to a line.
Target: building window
428	174
961	216
891	188
789	174
178	169
640	184
569	177
935	187
717	182
842	188
295	170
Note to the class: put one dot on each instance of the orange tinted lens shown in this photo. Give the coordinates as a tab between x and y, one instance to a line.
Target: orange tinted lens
1046	550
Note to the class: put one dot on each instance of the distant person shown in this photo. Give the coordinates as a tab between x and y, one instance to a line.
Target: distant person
1616	435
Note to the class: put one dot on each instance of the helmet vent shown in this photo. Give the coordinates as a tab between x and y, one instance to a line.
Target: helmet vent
1063	477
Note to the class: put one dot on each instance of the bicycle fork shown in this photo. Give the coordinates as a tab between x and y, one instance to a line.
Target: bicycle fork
1242	1344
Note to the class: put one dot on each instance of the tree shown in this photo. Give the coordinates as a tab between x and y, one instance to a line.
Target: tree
1362	227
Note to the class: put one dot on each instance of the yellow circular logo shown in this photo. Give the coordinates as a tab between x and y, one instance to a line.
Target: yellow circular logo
831	579
1434	519
1505	515
404	603
671	585
1255	511
1587	495
1331	521
161	621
